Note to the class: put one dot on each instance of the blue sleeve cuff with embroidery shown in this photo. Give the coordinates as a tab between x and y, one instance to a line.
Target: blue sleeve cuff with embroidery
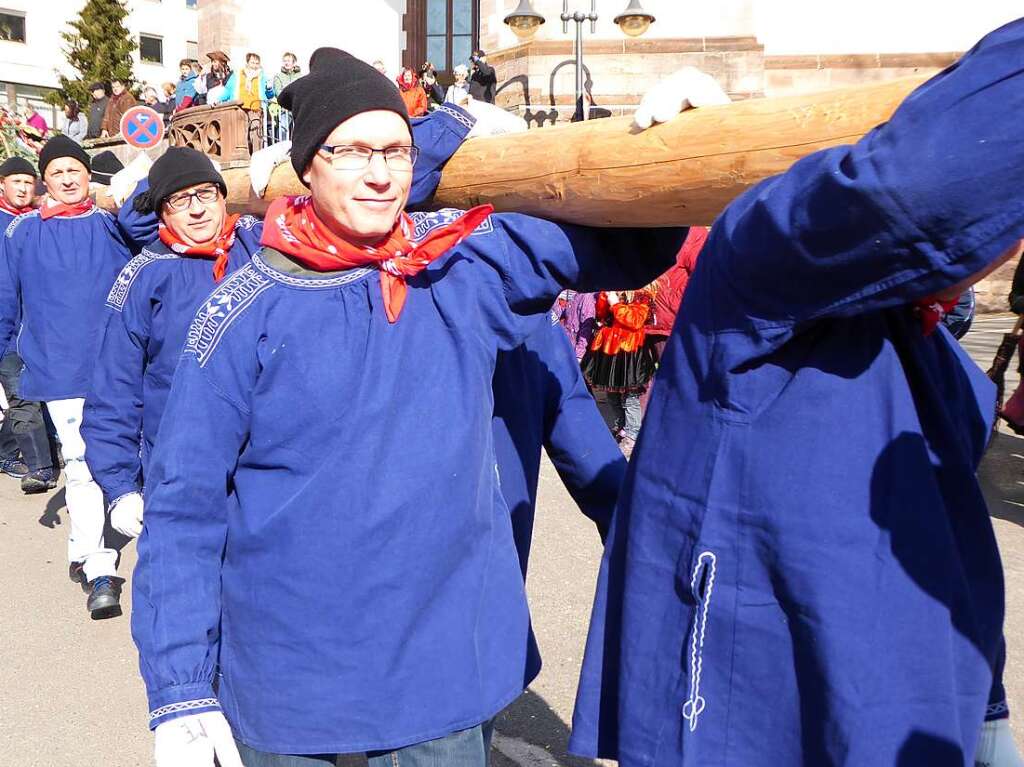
997	711
181	700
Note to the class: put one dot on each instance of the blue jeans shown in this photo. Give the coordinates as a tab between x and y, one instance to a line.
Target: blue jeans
466	748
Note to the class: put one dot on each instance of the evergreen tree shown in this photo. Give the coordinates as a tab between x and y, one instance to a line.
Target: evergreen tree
99	47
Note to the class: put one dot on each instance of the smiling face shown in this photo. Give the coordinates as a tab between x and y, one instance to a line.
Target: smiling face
117	87
18	189
197	223
362	205
67	180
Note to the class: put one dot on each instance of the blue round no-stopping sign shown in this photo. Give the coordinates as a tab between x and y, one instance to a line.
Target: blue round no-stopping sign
142	127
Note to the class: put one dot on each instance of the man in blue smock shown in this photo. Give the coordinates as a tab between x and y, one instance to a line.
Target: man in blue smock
324	529
60	262
157	293
802	570
24	443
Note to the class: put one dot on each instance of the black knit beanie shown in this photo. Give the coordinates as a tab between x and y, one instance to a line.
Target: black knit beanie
14	166
62	146
176	169
104	166
338	86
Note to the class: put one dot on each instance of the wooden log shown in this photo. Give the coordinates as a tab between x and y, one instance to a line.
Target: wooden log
604	173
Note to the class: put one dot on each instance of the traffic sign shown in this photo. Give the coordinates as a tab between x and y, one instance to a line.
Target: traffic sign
142	127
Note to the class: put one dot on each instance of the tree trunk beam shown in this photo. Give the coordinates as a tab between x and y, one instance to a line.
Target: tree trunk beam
603	173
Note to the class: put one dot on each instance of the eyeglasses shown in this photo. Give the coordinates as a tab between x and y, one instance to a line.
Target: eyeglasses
353	157
183	201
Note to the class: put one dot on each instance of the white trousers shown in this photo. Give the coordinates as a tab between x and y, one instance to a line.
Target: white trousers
83	496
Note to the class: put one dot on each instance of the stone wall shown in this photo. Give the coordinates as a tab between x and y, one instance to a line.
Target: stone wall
538	80
787	75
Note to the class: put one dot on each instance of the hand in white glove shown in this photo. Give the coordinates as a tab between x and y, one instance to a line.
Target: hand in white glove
996	747
123	183
687	88
492	120
193	741
4	404
613	298
263	162
126	515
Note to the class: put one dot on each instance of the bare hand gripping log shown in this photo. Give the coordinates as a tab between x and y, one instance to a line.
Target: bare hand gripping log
608	173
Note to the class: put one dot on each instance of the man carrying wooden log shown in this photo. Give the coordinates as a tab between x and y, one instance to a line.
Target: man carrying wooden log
802	569
324	528
190	245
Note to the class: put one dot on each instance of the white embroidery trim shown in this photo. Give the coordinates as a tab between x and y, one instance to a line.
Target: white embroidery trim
309	282
126	278
695	704
468	122
994	709
188	705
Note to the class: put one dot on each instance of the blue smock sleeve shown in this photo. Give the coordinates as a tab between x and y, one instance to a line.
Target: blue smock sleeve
10	289
176	590
918	205
139	229
576	438
438	136
248	232
112	419
539	258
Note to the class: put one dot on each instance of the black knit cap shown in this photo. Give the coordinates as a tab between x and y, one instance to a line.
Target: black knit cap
178	168
338	86
14	166
62	146
104	166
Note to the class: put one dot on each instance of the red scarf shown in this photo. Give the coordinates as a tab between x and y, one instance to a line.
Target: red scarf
51	209
5	205
931	311
219	249
293	228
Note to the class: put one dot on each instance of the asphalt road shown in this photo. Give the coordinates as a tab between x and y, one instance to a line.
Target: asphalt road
70	693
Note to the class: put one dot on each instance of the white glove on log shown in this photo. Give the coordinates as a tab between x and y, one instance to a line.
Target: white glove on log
687	88
123	183
193	741
126	515
263	162
492	120
996	747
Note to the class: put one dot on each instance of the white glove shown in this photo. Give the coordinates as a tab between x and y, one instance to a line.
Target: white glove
193	741
492	120
263	162
123	183
613	298
4	404
687	88
126	515
996	747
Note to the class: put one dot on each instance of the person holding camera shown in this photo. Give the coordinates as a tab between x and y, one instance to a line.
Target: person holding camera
482	80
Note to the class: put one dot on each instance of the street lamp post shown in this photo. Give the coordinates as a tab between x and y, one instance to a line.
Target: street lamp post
524	21
579	18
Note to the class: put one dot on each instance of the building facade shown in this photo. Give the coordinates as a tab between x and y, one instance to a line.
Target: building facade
166	31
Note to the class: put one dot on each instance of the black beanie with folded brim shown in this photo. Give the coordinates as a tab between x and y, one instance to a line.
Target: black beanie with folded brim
338	86
176	169
15	166
62	146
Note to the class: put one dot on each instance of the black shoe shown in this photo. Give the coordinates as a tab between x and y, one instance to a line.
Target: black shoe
39	481
13	467
104	598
